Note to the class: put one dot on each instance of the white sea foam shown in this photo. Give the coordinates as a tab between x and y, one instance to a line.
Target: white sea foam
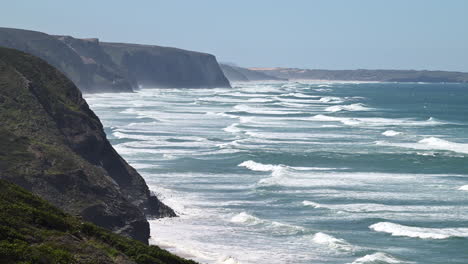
463	188
351	107
232	128
430	143
375	121
419	232
272	226
300	95
246	218
375	207
391	133
313	204
377	258
255	166
254	110
332	242
331	99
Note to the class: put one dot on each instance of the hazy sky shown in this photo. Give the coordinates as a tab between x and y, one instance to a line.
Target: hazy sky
331	34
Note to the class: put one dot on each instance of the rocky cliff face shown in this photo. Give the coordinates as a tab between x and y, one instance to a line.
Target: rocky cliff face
113	67
33	231
155	66
80	60
52	144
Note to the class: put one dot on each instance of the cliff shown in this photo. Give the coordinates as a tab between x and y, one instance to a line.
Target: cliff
32	231
115	67
367	75
85	64
52	144
155	66
239	74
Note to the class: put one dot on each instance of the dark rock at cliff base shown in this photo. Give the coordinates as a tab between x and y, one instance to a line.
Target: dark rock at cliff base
32	231
114	67
52	144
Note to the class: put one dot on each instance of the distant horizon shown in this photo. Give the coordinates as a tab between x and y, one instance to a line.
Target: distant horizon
334	35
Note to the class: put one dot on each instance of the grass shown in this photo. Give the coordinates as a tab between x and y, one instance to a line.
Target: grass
33	231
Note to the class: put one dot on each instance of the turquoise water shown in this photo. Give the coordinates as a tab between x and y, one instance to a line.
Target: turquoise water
302	172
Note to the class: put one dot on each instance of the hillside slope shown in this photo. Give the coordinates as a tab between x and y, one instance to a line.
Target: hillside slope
34	232
366	75
52	144
239	74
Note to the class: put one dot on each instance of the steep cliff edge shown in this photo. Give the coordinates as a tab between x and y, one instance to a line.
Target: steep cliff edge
155	66
52	144
115	67
85	64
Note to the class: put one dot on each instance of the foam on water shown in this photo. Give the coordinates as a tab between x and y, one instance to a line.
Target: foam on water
262	172
371	121
331	99
430	143
378	258
265	111
419	232
332	242
391	133
351	107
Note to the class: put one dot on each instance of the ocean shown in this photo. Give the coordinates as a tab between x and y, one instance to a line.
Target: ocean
301	172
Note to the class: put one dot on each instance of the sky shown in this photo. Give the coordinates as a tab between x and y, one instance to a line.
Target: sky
315	34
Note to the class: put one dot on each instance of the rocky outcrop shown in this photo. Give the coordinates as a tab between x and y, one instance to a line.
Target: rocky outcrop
115	67
155	66
366	75
52	144
239	74
34	231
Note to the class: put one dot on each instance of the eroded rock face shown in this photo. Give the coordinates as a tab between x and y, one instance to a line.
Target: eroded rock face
52	144
164	67
114	67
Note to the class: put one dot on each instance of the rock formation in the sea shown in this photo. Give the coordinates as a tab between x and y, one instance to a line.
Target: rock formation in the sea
115	67
239	74
34	231
52	144
366	75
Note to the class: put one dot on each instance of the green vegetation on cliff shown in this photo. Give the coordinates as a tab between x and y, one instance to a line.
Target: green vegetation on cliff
53	145
34	232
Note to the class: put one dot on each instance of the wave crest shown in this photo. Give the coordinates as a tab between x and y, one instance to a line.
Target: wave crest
377	258
419	232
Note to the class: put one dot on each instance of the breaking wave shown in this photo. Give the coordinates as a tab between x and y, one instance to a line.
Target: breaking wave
351	107
377	258
332	242
419	232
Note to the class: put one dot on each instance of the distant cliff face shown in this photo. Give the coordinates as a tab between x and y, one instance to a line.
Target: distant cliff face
155	66
52	144
366	75
111	67
80	60
239	74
